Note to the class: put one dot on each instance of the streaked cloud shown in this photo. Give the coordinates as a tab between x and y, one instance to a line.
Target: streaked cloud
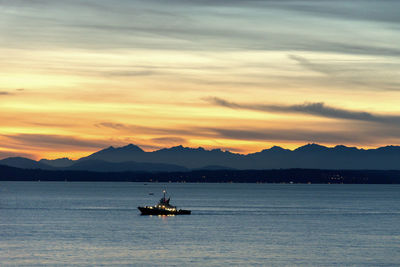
52	141
316	109
324	69
130	73
152	130
358	75
111	125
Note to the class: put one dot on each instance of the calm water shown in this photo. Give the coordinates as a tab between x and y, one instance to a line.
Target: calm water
232	224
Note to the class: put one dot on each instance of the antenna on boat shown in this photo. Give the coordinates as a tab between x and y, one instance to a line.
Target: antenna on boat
164	191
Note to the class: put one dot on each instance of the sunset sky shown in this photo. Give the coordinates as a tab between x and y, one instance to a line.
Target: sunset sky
78	76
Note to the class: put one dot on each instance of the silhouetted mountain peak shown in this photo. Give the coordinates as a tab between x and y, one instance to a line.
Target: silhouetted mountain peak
311	148
21	159
61	162
118	154
275	149
174	148
127	148
131	148
389	149
25	163
59	159
343	148
181	148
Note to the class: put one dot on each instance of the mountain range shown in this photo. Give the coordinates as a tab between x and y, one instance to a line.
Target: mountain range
179	158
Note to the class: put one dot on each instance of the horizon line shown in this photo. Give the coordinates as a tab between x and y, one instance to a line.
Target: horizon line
205	149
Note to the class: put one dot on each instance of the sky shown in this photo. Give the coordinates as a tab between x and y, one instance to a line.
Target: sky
240	75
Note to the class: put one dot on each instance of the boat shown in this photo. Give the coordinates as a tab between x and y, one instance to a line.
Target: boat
163	208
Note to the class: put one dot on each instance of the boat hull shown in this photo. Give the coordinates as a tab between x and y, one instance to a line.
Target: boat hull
156	211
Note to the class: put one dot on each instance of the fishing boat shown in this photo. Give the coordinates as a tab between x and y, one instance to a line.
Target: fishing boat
163	208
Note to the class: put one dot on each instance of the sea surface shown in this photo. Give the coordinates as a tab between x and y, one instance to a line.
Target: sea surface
98	224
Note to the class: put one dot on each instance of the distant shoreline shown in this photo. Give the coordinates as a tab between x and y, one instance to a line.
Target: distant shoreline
302	176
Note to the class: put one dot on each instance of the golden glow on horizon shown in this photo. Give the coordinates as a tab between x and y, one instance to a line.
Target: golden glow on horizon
69	96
